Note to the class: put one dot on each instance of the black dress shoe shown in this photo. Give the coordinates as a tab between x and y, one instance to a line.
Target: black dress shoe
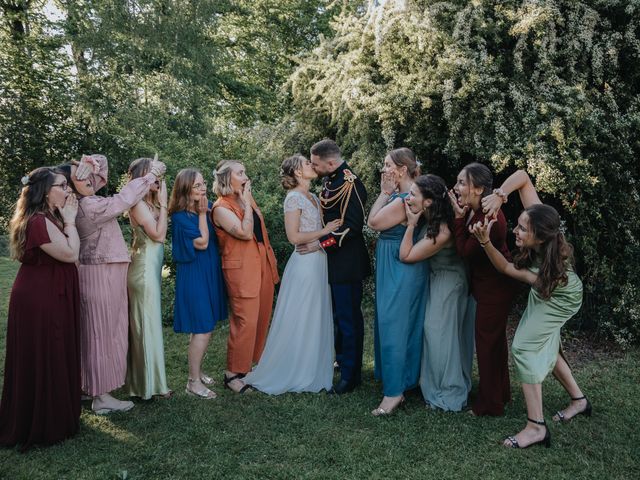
344	387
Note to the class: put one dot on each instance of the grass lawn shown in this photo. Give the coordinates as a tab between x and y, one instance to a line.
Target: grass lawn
322	436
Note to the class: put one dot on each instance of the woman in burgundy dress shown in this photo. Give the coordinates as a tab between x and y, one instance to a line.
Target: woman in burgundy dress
492	290
41	393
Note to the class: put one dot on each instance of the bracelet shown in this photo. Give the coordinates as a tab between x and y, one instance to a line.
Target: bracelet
385	193
163	205
69	224
156	171
484	244
500	193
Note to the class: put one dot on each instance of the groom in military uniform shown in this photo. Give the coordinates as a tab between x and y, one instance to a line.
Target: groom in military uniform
344	196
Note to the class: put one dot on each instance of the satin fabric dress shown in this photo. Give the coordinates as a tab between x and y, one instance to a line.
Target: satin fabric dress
145	363
402	290
537	339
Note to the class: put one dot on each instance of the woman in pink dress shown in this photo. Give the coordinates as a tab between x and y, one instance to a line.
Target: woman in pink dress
104	261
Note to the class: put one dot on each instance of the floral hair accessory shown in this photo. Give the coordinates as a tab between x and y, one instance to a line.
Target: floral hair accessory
25	180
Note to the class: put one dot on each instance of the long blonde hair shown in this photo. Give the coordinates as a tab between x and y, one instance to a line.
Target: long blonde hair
181	192
33	200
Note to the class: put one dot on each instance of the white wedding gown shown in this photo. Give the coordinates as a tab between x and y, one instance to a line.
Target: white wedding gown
298	355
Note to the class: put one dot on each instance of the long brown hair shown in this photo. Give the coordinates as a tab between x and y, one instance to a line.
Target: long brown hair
555	255
139	168
181	192
33	199
440	211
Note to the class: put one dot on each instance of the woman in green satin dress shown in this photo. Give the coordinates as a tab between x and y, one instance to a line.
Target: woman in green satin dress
544	261
145	363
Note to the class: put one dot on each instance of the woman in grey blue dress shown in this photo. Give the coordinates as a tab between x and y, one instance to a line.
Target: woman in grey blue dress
447	352
401	289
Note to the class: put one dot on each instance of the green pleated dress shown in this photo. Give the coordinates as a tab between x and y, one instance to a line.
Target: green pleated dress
145	368
537	340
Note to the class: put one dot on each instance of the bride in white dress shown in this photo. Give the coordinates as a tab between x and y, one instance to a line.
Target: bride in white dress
298	356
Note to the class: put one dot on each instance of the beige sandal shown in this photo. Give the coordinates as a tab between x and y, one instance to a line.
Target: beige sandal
204	394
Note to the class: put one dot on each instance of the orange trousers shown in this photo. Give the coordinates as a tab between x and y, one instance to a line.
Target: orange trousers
249	322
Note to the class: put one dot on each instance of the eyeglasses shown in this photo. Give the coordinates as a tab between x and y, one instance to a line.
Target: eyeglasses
198	186
62	185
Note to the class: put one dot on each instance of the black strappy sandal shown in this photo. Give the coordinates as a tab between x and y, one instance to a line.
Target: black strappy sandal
546	441
228	380
586	412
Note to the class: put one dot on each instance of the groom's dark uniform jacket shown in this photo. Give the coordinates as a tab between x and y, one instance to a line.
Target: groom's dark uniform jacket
347	253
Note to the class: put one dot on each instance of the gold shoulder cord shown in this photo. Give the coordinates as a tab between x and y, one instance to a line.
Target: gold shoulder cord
341	196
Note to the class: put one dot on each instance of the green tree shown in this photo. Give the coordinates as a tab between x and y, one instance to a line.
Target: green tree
546	85
37	125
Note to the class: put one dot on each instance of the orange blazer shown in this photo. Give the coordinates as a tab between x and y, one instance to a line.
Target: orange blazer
241	258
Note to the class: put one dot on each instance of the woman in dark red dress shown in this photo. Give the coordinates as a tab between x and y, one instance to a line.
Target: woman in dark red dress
41	393
492	290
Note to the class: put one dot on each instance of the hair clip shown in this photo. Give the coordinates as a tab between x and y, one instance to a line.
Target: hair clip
25	180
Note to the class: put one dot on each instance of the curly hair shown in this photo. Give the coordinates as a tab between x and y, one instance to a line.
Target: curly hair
555	255
440	211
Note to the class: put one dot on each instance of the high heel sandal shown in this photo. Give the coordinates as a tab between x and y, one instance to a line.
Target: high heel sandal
379	412
546	441
586	412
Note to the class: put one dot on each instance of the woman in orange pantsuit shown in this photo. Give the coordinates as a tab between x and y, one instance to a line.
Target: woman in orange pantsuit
249	268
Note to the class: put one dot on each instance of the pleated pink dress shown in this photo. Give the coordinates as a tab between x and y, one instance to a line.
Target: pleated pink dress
104	261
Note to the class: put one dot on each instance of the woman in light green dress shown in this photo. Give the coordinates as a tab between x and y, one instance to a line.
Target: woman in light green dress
449	316
145	368
544	262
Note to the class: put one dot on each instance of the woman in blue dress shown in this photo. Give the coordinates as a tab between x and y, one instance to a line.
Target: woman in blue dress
401	289
447	351
200	299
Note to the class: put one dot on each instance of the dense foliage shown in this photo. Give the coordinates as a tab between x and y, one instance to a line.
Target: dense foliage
547	85
550	86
